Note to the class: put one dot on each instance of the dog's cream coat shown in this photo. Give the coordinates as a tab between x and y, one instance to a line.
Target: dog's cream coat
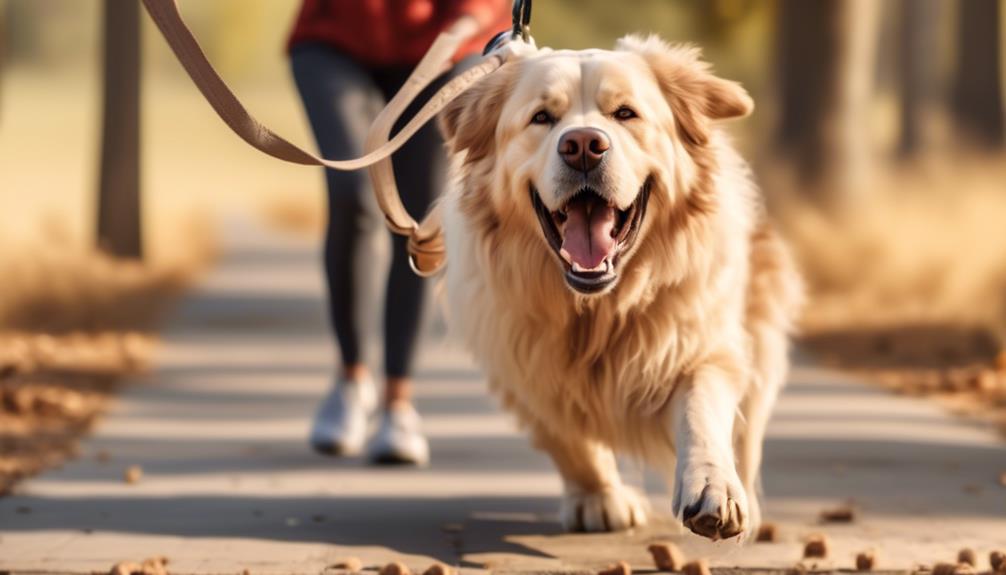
677	363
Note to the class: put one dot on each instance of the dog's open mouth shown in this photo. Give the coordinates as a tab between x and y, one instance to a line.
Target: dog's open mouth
589	234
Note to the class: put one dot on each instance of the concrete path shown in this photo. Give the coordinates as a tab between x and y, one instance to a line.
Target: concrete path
229	483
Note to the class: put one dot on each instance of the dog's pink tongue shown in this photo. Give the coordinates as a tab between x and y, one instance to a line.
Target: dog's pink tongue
587	231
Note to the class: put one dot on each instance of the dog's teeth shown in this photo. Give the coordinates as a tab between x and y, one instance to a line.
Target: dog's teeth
604	266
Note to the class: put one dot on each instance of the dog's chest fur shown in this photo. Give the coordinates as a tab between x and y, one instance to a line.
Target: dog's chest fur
604	367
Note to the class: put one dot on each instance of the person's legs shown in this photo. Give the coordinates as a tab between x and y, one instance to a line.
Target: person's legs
421	173
341	100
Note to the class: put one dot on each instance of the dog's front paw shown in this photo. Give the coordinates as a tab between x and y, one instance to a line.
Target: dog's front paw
711	501
613	509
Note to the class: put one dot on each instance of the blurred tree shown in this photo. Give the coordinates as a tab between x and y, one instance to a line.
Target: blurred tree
717	18
119	231
826	55
977	95
3	45
918	51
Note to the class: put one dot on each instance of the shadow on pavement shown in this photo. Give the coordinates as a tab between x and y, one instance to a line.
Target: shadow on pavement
406	525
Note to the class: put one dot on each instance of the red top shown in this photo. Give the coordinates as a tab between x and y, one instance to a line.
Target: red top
394	32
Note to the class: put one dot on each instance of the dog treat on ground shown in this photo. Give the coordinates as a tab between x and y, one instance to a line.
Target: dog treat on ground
816	547
395	568
967	555
155	566
972	489
952	569
944	569
349	564
766	533
1002	479
133	474
620	568
866	560
997	559
667	556
1001	360
697	567
124	568
985	381
438	569
843	514
151	566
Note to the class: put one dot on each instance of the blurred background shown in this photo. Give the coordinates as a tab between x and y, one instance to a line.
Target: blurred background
878	139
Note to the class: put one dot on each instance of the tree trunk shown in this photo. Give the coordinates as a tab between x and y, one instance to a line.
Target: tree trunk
978	106
918	51
3	50
826	54
119	230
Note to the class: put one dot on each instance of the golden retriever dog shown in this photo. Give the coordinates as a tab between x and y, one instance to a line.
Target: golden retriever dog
611	268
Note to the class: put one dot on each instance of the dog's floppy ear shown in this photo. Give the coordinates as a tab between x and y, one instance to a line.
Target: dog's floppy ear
695	95
469	122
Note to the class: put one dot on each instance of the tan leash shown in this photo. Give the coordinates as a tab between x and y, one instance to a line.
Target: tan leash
426	242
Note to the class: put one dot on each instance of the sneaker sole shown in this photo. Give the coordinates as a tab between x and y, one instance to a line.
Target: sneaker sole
333	450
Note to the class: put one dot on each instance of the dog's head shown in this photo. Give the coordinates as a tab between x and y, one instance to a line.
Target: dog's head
580	145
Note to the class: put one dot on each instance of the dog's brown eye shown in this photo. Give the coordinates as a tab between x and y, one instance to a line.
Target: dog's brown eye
625	113
542	117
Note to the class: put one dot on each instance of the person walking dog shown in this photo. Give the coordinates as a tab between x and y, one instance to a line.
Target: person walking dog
349	57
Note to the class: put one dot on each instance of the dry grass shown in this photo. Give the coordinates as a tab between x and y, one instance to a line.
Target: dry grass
925	246
69	289
52	388
908	286
73	322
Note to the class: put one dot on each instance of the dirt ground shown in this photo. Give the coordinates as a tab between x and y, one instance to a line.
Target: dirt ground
52	389
962	367
73	323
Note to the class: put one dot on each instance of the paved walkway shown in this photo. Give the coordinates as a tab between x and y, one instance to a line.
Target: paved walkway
229	484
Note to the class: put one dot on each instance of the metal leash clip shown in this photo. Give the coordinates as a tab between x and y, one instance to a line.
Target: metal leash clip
521	28
521	20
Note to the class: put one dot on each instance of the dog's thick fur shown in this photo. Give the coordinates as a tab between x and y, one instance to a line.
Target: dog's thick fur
680	361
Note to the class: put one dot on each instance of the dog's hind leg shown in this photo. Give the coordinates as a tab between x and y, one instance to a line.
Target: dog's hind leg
774	297
769	374
750	426
594	498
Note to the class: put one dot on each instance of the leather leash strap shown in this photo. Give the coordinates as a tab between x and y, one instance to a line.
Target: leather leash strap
426	242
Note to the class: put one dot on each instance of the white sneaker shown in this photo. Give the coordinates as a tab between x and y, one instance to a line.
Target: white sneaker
400	439
340	425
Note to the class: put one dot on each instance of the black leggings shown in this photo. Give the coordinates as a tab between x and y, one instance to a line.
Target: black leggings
342	97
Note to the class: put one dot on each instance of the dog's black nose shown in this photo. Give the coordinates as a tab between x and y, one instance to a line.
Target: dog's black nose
584	148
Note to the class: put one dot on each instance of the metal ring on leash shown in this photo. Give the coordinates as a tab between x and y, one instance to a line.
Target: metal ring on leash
417	271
